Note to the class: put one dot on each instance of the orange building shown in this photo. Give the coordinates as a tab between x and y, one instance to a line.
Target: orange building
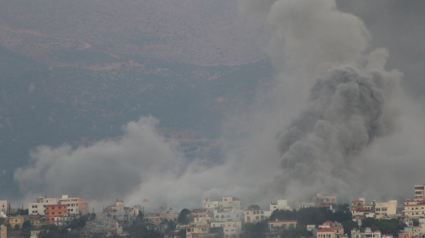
53	211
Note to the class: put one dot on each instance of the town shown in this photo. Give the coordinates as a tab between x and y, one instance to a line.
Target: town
322	217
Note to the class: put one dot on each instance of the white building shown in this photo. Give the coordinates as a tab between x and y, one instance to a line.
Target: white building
76	206
37	208
3	206
280	204
233	215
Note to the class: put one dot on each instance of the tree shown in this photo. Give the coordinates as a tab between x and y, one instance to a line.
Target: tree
27	224
297	232
184	217
256	230
140	216
348	226
182	233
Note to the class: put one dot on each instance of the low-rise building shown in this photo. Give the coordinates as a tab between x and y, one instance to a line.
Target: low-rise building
281	225
63	220
200	214
233	215
230	228
16	221
323	199
3	231
3	206
280	204
226	202
35	233
368	233
36	220
256	215
193	231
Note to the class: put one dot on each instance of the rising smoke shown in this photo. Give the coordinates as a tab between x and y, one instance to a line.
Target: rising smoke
337	122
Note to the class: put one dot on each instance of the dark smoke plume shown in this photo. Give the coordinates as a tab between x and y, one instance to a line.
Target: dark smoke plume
346	111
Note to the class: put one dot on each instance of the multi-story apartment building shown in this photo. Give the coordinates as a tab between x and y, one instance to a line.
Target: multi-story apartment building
385	209
76	206
38	207
53	211
420	192
414	208
3	231
3	206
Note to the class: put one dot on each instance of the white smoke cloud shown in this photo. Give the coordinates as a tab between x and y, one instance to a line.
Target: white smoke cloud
337	137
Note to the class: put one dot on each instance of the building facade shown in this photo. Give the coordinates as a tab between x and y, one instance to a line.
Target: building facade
3	231
420	192
414	208
3	206
280	204
230	228
53	211
16	221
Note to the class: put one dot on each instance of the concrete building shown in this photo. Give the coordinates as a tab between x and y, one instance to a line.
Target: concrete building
326	233
3	206
281	225
323	199
76	206
368	233
420	192
193	231
230	203
53	211
35	233
230	228
38	207
414	208
406	233
16	221
358	203
63	220
385	209
200	214
280	204
233	215
3	231
256	215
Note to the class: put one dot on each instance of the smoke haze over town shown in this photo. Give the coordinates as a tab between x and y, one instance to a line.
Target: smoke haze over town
292	97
